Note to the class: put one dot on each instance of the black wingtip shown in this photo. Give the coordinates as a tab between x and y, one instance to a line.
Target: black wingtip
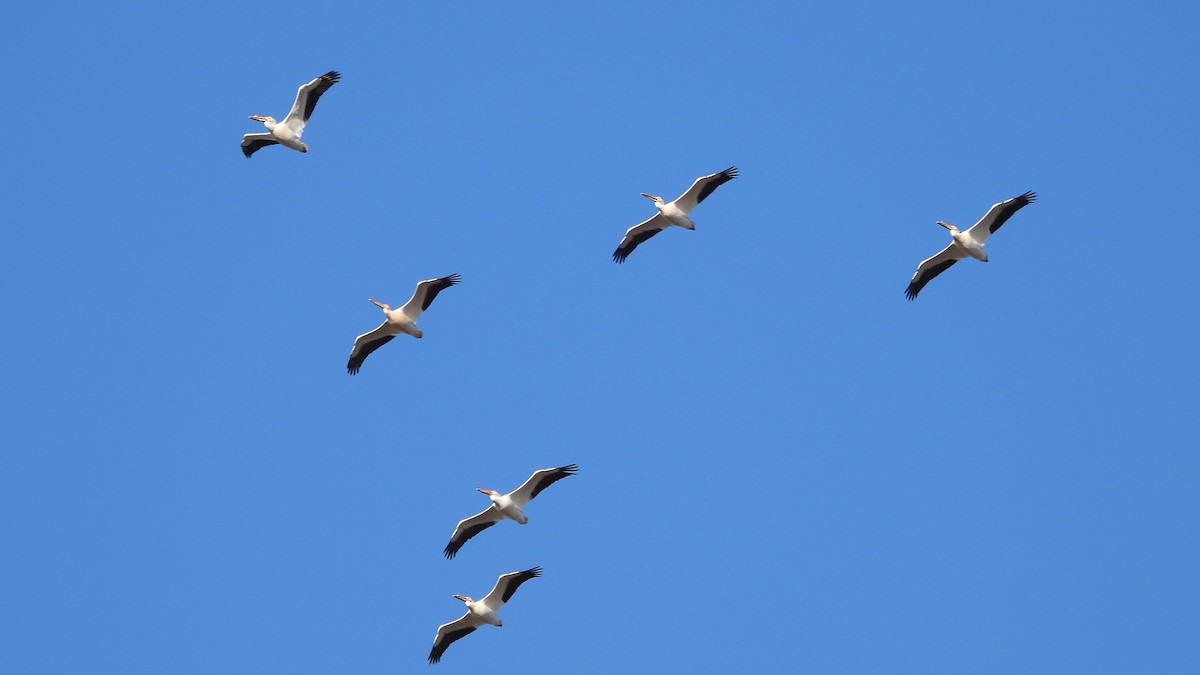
333	75
1030	196
534	571
731	172
619	257
449	552
569	469
453	279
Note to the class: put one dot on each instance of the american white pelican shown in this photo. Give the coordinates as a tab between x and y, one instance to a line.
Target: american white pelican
969	243
674	213
397	321
480	612
288	132
505	506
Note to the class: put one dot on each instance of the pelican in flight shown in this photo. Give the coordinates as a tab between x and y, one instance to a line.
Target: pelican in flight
480	612
288	132
674	213
397	321
969	243
505	506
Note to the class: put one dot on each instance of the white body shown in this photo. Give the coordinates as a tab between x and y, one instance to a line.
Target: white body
969	245
403	322
484	613
676	215
286	135
508	507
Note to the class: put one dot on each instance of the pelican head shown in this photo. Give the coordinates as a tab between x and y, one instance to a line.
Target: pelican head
268	120
381	305
948	226
653	198
464	598
490	493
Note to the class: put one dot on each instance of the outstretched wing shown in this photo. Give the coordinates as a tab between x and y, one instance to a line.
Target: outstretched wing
931	267
252	143
540	480
506	585
448	633
426	291
306	100
704	187
637	234
469	527
998	215
366	343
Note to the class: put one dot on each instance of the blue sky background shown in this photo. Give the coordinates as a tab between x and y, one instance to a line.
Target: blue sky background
785	466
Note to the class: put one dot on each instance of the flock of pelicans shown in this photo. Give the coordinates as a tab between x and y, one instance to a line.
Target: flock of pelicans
963	244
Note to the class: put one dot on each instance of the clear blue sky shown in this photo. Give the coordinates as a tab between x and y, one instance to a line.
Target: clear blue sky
785	466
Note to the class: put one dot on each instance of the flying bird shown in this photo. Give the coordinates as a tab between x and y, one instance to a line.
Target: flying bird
480	612
288	132
397	321
505	506
969	243
674	213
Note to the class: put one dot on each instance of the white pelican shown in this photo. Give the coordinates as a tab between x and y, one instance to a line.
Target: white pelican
969	243
674	213
397	321
505	506
288	133
480	612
